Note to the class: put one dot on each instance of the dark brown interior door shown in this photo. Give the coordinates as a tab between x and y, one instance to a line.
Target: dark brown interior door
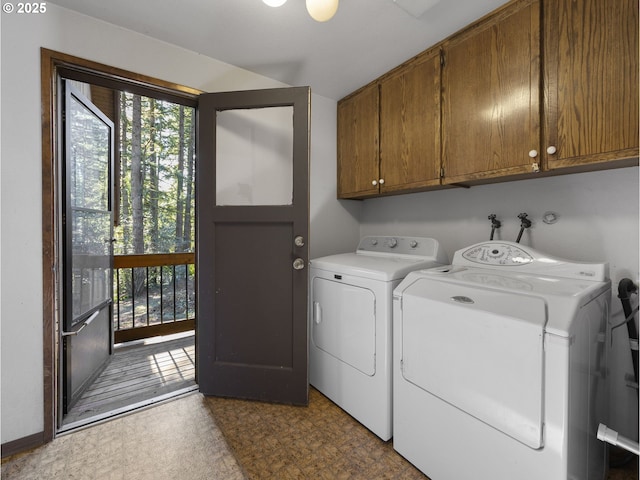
252	244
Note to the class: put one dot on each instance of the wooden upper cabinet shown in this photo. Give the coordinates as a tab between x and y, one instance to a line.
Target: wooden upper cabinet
410	125
493	111
591	78
490	95
358	135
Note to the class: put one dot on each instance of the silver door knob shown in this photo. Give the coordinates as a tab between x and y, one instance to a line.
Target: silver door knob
299	241
298	264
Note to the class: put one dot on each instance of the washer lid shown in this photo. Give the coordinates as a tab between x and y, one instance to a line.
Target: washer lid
478	350
563	296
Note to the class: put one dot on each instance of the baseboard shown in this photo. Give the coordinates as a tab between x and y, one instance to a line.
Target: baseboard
22	444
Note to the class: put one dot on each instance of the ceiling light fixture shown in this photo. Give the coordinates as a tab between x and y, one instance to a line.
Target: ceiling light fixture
320	10
274	3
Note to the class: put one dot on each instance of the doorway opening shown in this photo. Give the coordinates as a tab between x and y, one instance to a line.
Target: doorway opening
260	293
151	279
152	352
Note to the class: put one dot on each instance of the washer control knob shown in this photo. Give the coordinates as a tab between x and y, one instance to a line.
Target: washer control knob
413	244
374	241
393	243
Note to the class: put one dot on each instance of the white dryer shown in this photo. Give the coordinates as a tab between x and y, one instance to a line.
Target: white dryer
500	365
350	323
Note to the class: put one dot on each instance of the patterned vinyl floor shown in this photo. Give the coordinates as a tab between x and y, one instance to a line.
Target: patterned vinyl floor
198	438
319	442
178	440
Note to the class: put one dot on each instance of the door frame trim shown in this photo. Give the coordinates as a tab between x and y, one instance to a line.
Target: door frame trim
52	64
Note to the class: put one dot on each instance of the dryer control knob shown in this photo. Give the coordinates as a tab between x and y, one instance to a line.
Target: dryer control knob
393	243
413	244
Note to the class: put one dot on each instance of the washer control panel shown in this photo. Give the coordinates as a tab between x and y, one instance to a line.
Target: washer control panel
521	258
497	254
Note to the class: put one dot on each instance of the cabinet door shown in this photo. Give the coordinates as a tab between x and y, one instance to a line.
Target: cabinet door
410	126
591	74
358	172
491	112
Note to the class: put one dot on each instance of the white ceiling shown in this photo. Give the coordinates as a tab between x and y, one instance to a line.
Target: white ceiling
365	38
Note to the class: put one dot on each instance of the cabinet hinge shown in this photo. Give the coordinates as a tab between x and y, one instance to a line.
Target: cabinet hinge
441	172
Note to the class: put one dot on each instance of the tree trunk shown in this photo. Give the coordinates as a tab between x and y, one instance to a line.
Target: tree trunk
190	181
136	177
153	179
136	190
180	246
125	191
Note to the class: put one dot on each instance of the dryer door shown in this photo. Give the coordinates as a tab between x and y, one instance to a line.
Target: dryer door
344	323
480	350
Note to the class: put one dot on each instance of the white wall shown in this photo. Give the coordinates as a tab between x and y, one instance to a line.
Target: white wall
331	220
597	222
21	217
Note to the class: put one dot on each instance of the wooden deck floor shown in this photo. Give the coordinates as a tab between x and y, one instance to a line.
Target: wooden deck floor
136	375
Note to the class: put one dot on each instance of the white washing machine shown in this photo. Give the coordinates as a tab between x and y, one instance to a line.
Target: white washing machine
500	365
350	323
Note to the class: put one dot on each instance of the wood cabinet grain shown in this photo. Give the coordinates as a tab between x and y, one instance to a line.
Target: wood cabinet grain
358	142
537	87
410	126
490	97
591	80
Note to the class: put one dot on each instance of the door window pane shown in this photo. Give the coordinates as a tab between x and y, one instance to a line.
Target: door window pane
88	163
254	156
91	272
89	158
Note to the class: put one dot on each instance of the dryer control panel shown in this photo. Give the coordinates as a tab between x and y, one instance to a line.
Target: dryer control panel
403	247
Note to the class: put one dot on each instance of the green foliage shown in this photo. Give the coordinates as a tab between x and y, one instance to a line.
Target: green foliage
167	172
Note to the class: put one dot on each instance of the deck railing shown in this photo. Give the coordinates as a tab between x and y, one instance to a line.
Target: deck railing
153	295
